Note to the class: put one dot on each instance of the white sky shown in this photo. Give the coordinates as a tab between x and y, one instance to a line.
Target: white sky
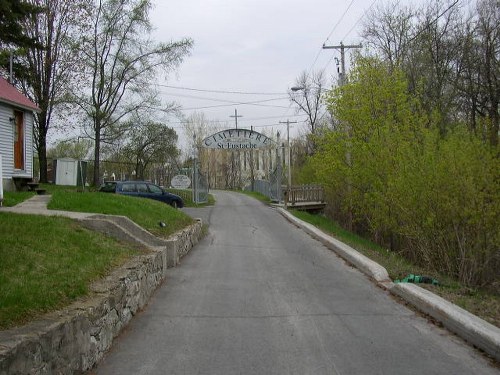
257	46
253	46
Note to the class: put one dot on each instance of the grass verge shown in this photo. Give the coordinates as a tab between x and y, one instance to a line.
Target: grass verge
10	199
483	303
187	197
50	265
258	196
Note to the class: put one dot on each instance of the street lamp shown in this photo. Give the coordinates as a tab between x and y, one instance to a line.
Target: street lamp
297	88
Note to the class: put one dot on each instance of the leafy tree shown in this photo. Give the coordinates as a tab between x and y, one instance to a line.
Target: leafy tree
149	143
76	149
13	14
387	167
122	64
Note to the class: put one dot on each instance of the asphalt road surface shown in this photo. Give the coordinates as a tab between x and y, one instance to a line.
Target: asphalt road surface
259	296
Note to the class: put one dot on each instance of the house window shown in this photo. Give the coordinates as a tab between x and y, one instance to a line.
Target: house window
18	140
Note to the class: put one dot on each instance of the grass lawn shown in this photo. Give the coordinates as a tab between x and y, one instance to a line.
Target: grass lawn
11	199
147	213
483	303
48	262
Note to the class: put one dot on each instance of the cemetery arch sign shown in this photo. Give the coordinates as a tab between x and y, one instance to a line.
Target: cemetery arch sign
237	139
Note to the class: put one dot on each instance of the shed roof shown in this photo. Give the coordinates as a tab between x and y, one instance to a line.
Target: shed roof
10	95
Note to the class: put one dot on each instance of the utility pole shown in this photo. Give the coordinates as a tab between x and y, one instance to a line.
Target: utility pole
288	122
236	117
342	48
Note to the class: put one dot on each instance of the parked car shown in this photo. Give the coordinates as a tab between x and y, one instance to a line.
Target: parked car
142	189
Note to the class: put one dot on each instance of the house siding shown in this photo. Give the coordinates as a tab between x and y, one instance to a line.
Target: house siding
7	145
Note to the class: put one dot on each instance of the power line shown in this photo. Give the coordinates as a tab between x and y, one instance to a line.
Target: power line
359	20
329	35
221	91
220	100
433	21
339	21
232	104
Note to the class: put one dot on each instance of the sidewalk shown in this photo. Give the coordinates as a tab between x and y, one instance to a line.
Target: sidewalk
37	205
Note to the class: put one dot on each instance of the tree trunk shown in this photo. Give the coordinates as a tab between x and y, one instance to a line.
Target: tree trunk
97	154
42	161
494	127
41	145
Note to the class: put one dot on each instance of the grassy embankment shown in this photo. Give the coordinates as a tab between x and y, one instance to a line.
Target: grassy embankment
48	262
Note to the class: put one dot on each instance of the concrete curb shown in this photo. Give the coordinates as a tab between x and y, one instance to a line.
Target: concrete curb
469	327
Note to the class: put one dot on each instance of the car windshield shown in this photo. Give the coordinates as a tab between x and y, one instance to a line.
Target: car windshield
108	186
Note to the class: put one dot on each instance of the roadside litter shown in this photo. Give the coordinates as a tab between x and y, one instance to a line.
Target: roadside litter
417	279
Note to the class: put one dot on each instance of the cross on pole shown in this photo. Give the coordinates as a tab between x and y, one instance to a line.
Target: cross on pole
236	117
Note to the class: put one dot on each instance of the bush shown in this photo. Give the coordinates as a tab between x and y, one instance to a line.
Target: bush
389	171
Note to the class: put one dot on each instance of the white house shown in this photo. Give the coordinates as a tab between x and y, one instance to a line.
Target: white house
16	136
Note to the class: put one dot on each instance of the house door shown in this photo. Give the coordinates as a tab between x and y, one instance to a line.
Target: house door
19	140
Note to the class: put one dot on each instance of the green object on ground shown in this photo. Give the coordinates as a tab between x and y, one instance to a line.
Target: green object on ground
417	279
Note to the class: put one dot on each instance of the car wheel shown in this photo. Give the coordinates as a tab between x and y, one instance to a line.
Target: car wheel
174	204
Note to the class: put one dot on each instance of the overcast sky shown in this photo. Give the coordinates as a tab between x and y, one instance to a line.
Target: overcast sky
252	46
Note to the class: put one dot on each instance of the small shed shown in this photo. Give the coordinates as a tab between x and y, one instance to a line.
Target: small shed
70	172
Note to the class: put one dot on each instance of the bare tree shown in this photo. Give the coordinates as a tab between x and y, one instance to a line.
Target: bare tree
122	64
389	29
307	97
488	34
48	70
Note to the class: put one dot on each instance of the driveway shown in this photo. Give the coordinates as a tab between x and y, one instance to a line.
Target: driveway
259	296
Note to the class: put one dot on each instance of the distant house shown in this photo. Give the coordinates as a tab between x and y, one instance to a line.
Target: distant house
16	136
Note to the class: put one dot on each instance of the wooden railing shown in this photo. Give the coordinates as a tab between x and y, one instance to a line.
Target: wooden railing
305	195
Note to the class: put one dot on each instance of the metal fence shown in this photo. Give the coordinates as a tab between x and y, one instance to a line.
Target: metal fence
272	188
200	187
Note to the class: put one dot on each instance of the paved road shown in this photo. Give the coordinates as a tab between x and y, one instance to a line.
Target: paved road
258	296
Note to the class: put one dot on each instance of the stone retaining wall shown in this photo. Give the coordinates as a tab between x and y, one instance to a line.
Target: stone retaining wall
74	339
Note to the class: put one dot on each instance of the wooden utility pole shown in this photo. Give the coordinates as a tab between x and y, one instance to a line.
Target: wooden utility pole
342	48
288	122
